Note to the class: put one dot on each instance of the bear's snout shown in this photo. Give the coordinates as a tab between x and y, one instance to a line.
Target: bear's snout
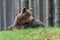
31	18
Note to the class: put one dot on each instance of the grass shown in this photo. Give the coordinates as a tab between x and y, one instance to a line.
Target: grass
50	33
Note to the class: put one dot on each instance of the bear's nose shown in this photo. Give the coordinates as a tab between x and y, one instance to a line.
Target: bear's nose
33	19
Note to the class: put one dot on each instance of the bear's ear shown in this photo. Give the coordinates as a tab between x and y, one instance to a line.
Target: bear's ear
24	9
30	9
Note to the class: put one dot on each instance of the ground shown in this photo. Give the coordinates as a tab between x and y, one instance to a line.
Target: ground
50	33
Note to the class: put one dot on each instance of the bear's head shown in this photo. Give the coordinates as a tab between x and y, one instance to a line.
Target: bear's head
27	15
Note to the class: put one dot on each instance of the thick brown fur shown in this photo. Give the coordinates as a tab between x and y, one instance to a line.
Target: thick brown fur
21	19
25	19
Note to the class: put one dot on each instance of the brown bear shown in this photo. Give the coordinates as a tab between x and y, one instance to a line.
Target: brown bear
21	19
25	19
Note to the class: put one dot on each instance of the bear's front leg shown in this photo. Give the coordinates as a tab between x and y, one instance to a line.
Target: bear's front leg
36	23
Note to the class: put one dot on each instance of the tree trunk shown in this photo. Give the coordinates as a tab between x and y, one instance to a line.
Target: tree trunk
2	21
47	12
24	3
37	10
13	10
44	11
57	13
16	7
1	11
4	12
8	12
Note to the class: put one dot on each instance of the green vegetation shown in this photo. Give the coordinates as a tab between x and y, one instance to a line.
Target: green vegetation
51	33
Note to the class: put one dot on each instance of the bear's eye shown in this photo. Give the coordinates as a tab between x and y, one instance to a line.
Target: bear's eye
28	14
